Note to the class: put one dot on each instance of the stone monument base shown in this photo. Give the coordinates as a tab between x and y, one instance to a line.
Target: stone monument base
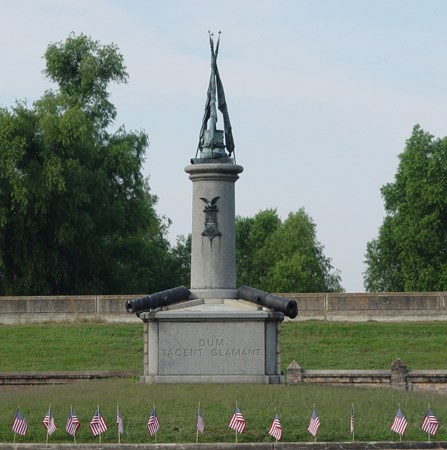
212	341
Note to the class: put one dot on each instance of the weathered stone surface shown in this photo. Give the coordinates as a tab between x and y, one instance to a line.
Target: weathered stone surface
397	377
212	341
59	377
386	307
213	261
294	373
213	348
17	310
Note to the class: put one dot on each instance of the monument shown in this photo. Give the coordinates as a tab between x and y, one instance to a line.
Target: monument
212	332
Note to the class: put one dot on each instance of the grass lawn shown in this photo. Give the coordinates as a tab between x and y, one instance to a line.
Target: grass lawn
314	345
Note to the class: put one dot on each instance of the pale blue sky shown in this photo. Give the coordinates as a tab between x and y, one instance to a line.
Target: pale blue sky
322	96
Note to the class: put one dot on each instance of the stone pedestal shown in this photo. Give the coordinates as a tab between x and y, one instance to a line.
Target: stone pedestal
212	341
213	245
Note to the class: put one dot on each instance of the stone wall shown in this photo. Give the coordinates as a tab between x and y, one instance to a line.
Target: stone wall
109	308
391	307
381	306
397	377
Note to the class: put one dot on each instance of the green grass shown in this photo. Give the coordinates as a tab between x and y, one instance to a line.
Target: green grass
314	345
177	408
368	345
71	346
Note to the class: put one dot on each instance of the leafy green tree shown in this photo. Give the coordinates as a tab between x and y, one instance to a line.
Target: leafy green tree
410	252
76	214
180	261
277	256
252	234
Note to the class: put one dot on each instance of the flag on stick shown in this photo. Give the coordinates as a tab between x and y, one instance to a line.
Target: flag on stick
98	424
237	421
153	424
276	428
352	421
119	424
200	421
314	424
72	424
119	421
400	423
48	422
19	426
430	424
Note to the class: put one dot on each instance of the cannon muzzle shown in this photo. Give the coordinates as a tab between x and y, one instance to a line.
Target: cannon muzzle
285	305
157	300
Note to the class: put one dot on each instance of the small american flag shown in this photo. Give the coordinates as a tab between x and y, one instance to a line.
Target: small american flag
119	423
153	424
276	428
237	421
200	421
314	424
72	423
19	426
352	420
48	423
430	424
400	423
98	424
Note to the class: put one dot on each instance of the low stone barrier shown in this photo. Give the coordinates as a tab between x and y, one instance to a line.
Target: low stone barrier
351	307
398	377
107	308
60	377
379	306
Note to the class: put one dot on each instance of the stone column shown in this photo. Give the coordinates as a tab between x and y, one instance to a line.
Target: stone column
213	246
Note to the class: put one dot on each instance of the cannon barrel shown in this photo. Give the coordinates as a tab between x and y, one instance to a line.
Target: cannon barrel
157	300
285	305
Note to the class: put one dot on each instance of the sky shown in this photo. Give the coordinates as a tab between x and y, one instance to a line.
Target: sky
322	95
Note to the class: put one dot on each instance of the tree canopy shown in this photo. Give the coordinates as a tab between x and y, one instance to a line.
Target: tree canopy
76	214
410	252
277	256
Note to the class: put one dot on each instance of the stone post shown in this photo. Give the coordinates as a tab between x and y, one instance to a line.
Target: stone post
294	373
213	256
399	374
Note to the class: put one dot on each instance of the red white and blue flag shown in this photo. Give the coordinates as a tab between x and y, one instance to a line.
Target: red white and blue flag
237	421
200	421
119	422
352	420
98	424
400	423
72	424
314	424
48	423
153	424
430	424
19	426
276	428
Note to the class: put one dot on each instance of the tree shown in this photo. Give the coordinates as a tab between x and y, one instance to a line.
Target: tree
277	256
410	252
181	261
76	214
